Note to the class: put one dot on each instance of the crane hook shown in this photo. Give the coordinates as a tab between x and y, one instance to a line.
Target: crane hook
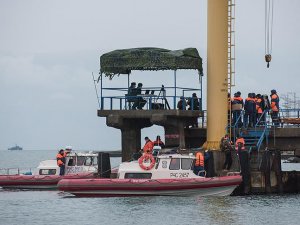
268	59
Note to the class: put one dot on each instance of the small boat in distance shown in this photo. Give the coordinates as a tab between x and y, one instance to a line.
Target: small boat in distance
17	147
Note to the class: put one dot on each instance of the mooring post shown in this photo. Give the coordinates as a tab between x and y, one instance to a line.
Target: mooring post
267	171
245	170
277	169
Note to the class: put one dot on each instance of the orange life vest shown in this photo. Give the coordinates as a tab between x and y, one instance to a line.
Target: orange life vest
275	103
242	141
148	147
237	103
60	159
258	105
199	159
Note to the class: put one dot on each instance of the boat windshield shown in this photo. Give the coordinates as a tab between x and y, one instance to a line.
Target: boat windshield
95	161
72	161
82	161
186	164
174	164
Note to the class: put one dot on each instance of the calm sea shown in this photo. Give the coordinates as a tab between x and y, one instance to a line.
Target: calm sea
53	207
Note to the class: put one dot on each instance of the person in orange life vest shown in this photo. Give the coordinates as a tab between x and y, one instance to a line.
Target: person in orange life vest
199	163
259	108
158	142
237	105
60	158
250	111
274	107
225	147
240	144
148	147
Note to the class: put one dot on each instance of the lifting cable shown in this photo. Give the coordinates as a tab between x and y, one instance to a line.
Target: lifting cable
269	6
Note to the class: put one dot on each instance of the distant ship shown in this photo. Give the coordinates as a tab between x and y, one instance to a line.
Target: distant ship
17	147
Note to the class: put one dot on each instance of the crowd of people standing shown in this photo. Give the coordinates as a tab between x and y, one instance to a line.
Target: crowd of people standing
255	106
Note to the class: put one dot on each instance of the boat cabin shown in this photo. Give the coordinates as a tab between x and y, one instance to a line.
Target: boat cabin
168	166
81	162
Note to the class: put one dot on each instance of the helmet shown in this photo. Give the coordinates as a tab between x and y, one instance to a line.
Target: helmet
273	91
68	148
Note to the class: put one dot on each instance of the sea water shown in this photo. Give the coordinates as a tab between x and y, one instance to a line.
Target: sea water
54	207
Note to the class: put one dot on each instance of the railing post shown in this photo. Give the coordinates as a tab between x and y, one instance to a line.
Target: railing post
102	103
175	87
111	102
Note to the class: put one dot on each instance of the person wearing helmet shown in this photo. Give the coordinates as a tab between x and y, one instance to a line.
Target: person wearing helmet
158	142
68	149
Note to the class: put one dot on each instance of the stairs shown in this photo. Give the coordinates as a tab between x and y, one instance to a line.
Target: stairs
254	137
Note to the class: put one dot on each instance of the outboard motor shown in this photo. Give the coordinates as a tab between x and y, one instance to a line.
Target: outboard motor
104	168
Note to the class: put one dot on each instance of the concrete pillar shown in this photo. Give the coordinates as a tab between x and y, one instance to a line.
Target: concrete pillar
131	141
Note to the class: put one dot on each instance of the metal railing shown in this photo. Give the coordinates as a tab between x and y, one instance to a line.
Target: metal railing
152	97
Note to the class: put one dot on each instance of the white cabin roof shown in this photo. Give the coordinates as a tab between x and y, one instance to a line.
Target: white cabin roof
48	164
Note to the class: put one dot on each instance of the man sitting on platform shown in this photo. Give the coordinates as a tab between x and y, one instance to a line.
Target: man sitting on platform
139	101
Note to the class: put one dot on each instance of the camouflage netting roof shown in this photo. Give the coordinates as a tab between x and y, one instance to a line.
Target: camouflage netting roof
123	61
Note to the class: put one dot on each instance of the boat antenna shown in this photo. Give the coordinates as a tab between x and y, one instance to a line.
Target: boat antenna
94	81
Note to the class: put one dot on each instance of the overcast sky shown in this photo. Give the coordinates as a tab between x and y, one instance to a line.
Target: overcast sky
48	50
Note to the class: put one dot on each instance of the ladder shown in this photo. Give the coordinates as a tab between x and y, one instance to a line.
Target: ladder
231	55
231	45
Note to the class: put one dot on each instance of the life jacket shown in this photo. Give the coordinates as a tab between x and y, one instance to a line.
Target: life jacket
60	159
199	159
158	143
148	147
274	102
250	99
250	105
258	105
240	140
237	103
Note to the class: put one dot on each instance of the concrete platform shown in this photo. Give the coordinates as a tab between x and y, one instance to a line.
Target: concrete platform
130	122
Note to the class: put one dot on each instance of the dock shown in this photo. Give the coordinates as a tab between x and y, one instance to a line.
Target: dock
185	128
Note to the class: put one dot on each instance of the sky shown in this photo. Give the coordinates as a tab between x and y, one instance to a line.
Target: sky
50	48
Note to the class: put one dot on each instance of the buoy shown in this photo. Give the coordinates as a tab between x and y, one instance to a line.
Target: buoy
145	158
